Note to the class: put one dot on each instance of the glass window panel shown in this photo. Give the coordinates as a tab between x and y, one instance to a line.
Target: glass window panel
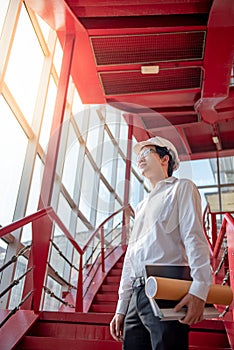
118	217
81	118
3	12
226	165
57	261
123	137
107	158
16	292
21	76
199	171
13	144
113	120
34	192
3	249
207	197
51	304
80	226
93	133
45	28
77	106
26	237
103	203
87	188
223	201
135	191
64	210
48	114
120	177
227	199
58	56
71	158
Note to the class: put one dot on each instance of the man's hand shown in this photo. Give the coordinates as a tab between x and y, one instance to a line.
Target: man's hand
195	309
116	327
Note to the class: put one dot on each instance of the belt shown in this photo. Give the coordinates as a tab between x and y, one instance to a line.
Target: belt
138	282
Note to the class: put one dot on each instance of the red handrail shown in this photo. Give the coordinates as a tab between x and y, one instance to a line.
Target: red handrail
217	240
24	221
40	221
227	219
105	221
207	210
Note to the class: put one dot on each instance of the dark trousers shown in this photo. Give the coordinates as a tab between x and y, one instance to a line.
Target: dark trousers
144	331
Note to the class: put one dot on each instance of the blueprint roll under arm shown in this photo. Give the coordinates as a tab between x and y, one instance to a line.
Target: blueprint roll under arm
176	289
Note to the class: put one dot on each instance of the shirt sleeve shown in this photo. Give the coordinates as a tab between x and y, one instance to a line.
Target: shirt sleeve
125	287
196	246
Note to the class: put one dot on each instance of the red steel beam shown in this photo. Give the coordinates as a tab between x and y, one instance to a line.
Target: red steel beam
218	59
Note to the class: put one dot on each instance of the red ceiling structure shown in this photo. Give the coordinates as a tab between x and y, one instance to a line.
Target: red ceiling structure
167	64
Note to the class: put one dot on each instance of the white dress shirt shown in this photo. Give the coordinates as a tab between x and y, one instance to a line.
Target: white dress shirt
167	231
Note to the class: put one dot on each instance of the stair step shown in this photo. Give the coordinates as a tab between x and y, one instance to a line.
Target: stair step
45	343
70	330
191	347
208	334
111	307
115	272
214	340
118	265
112	279
109	288
104	297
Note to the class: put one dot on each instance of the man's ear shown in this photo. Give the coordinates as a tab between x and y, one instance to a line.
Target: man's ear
165	159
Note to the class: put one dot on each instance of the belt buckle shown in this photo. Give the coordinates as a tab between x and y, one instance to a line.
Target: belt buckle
139	282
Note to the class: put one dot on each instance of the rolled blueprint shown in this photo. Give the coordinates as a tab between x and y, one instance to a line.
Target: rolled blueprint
175	289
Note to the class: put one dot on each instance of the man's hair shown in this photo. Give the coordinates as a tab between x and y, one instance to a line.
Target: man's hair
163	151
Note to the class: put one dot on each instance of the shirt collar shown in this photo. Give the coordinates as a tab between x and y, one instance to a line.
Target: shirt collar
161	183
170	179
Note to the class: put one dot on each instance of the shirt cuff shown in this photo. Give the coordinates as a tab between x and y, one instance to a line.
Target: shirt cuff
122	306
199	289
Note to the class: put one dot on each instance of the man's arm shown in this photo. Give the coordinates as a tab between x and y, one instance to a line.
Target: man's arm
190	221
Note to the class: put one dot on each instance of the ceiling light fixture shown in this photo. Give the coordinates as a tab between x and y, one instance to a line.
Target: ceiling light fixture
149	69
215	139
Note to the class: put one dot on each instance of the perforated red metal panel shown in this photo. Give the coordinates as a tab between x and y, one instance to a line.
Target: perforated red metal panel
160	47
127	82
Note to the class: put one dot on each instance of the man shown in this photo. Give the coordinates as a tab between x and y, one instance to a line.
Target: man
167	231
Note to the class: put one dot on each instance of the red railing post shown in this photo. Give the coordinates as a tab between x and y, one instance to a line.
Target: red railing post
102	248
79	295
41	233
213	228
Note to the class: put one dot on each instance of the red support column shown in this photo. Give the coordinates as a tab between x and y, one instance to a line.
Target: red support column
42	230
127	180
230	242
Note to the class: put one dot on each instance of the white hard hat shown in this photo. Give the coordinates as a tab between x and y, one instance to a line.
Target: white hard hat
160	141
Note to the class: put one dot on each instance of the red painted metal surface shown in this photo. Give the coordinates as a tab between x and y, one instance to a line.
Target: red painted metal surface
42	222
207	107
15	328
230	242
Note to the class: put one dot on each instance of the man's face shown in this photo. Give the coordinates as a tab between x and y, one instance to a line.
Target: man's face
149	162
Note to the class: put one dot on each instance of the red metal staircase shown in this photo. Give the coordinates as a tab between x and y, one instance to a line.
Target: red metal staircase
84	331
70	328
107	296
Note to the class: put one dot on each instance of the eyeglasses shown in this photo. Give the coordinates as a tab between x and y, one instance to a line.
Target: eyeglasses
144	154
